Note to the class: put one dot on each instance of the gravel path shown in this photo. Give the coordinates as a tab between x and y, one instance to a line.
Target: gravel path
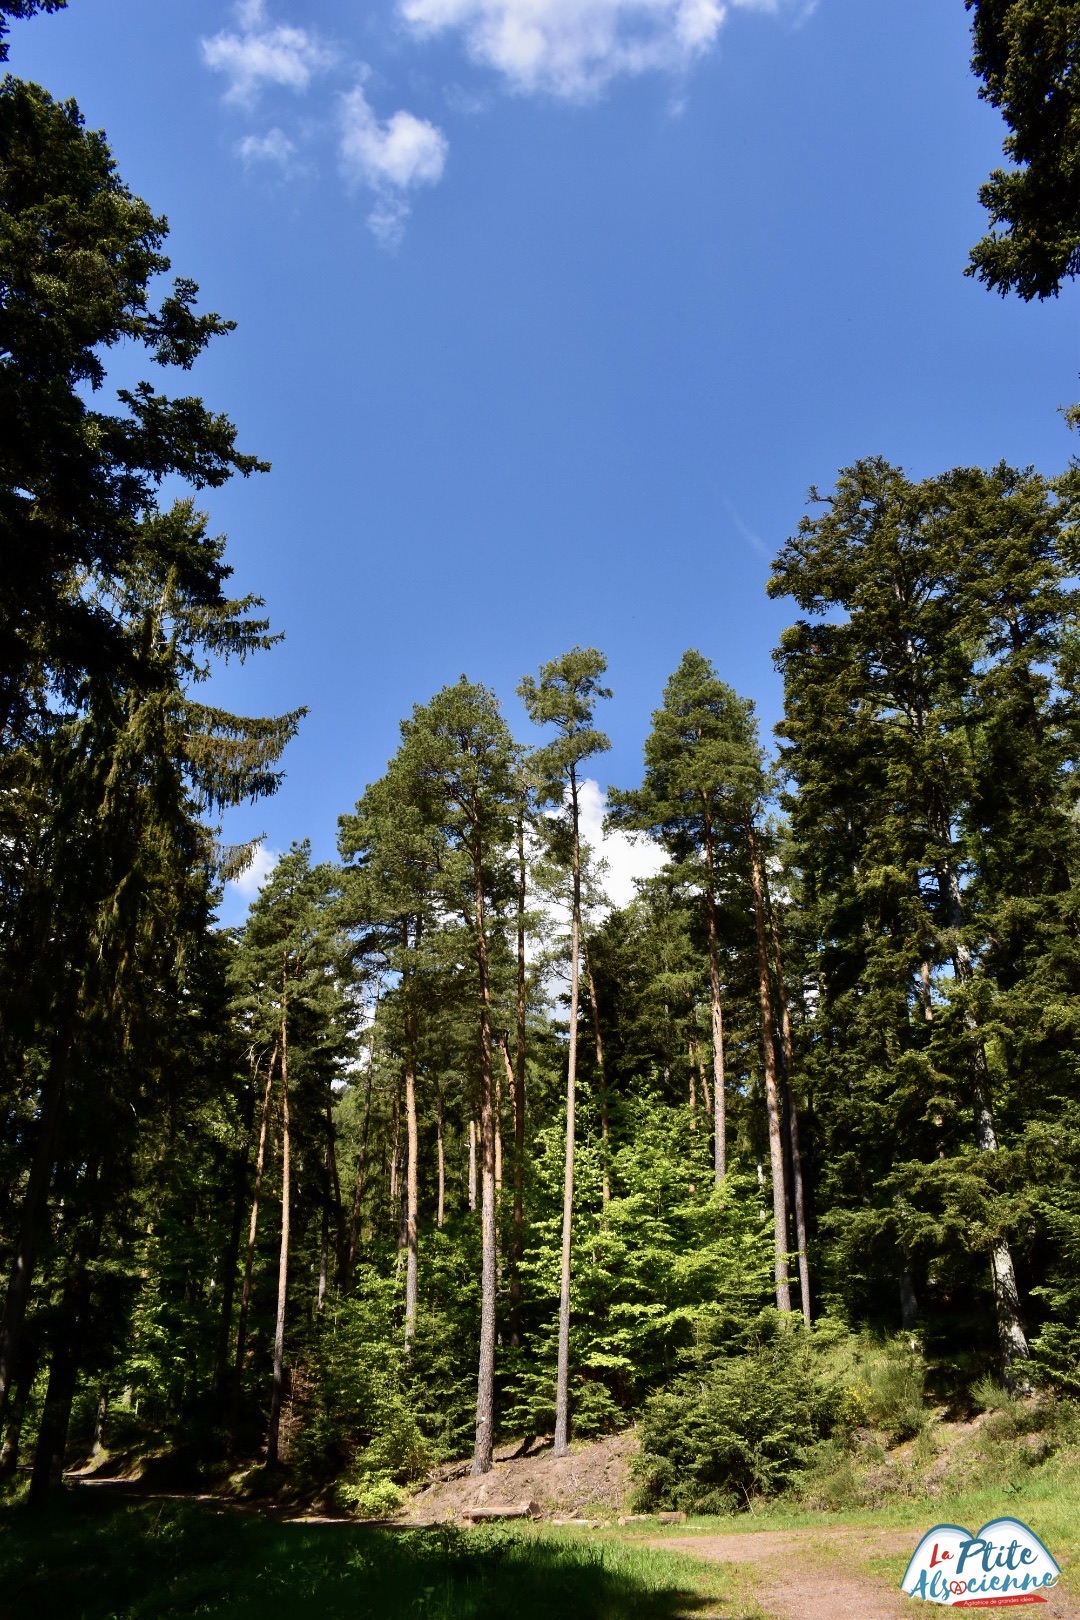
817	1574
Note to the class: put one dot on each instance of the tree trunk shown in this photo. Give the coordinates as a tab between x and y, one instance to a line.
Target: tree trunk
440	1151
498	1134
412	1263
772	1099
1014	1346
717	1013
562	1380
517	1230
231	1258
483	1453
48	1471
472	1163
278	1386
35	1200
605	1135
361	1170
792	1114
249	1257
22	1385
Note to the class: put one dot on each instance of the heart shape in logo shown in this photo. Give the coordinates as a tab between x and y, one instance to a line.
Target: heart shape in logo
1004	1566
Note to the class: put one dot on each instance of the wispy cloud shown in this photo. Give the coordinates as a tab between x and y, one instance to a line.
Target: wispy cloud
574	48
274	147
260	53
390	158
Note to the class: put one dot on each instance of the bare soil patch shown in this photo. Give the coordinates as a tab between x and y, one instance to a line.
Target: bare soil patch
594	1479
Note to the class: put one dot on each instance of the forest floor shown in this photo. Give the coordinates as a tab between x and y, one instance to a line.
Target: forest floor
130	1549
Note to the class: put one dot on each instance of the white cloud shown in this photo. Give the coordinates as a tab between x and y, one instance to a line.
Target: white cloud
273	147
625	857
264	53
389	158
252	878
573	48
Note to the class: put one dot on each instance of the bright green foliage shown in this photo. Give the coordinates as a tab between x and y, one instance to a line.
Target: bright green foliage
1027	54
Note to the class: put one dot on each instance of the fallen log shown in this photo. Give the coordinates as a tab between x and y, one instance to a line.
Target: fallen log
501	1510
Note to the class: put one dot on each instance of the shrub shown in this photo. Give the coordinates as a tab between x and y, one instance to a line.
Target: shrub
753	1425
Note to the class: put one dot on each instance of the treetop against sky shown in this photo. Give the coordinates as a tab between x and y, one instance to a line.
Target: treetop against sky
549	312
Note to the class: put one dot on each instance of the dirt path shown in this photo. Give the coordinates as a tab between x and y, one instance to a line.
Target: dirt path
822	1574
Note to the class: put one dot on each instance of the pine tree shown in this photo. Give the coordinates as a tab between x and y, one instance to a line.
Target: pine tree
565	696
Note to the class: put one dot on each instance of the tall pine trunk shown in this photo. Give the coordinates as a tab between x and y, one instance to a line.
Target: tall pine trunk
792	1113
605	1124
772	1098
412	1261
440	1150
249	1257
483	1453
562	1380
34	1212
361	1172
716	1010
517	1245
277	1389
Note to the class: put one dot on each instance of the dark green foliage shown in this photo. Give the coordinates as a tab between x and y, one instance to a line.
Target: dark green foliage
1027	54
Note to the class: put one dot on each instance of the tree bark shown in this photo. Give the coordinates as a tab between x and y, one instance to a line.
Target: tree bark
278	1386
361	1171
483	1453
562	1380
412	1263
16	1412
440	1151
472	1163
48	1470
792	1114
517	1229
605	1134
249	1257
35	1200
717	1012
772	1099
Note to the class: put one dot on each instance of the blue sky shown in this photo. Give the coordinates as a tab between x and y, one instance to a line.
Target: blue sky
550	311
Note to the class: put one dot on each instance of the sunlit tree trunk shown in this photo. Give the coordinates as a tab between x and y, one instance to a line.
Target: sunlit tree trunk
605	1131
792	1114
485	1381
440	1150
772	1098
562	1382
518	1095
716	1008
249	1256
278	1386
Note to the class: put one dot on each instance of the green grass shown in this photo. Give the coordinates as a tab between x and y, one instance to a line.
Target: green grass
90	1560
1048	1501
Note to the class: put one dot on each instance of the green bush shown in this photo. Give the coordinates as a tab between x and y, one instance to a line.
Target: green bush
754	1425
373	1496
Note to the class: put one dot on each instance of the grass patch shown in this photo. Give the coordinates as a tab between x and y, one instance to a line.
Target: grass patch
90	1560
